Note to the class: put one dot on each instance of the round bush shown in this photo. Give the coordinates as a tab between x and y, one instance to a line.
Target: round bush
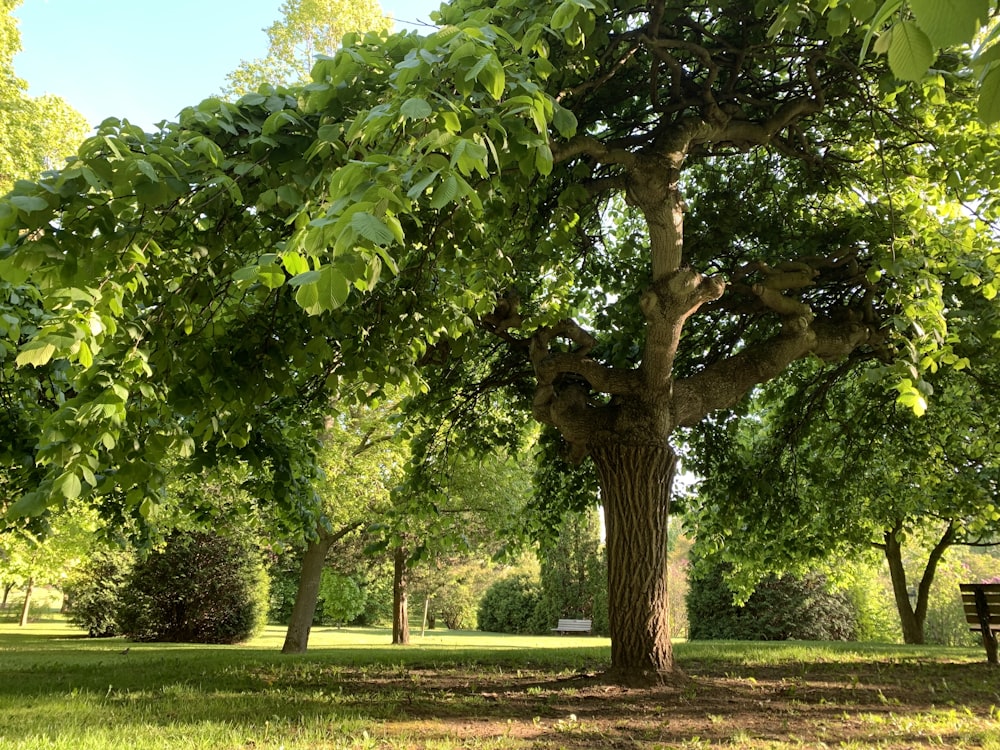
508	606
94	590
200	588
779	609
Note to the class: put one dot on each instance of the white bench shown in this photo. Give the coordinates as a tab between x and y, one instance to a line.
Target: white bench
573	626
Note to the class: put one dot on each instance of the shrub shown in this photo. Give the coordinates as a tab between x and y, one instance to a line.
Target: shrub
341	599
456	603
200	588
508	606
778	609
94	591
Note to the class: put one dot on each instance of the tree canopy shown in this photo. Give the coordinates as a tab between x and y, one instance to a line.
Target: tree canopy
625	215
307	30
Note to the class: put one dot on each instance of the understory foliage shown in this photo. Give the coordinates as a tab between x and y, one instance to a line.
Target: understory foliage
780	608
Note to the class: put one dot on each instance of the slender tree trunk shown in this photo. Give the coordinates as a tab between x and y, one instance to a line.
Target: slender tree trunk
913	615
307	595
6	594
26	607
400	613
636	483
913	628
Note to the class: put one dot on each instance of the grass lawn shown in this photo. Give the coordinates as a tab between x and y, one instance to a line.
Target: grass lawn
473	690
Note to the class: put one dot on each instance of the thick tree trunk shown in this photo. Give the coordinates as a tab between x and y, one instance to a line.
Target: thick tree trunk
307	595
400	613
636	483
26	607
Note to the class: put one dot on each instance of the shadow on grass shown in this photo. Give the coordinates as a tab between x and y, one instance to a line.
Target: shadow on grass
832	692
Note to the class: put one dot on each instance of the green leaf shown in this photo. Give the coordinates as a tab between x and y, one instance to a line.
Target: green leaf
28	203
68	485
294	263
862	9
910	51
416	108
838	21
565	122
444	193
564	15
328	291
988	106
883	15
371	228
950	22
29	504
37	353
420	187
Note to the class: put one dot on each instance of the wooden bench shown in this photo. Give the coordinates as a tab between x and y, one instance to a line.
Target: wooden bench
982	609
573	626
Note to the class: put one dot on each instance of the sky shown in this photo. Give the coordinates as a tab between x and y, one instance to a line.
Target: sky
145	60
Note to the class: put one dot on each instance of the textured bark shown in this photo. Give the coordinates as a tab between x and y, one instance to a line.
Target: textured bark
913	615
400	609
912	626
307	594
304	609
636	484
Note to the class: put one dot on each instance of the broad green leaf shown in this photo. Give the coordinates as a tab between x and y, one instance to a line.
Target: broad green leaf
565	122
420	187
988	106
838	21
68	485
910	51
416	108
950	22
445	193
28	505
371	228
564	15
271	276
37	353
862	9
28	203
294	263
328	291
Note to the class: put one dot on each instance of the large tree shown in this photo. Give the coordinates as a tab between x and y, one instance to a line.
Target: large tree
513	189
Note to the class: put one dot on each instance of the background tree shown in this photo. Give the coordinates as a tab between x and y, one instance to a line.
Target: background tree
360	458
307	30
573	574
525	178
38	133
837	466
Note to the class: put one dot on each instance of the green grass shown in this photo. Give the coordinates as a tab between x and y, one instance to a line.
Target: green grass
451	690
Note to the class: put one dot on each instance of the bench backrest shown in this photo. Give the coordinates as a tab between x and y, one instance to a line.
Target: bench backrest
981	601
574	624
